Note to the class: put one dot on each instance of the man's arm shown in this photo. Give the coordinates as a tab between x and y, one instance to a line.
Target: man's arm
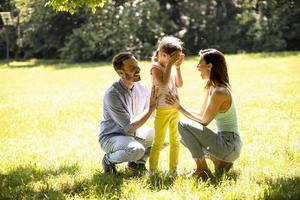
140	120
121	116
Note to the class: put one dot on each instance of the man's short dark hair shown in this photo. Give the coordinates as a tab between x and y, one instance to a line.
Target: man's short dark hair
118	59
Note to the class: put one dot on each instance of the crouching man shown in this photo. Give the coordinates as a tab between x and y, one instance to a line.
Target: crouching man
127	105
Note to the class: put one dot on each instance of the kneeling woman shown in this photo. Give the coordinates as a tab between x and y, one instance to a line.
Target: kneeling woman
224	146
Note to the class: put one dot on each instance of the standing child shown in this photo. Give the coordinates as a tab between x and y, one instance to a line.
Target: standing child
166	75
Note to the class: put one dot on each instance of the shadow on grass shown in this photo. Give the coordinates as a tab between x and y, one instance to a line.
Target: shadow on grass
100	185
219	179
32	183
283	188
18	183
160	182
231	175
56	64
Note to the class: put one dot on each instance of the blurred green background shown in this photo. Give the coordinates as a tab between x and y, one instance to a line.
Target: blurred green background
233	26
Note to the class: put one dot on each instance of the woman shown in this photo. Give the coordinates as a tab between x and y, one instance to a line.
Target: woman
224	146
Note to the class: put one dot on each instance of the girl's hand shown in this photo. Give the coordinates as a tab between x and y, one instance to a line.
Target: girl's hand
173	58
173	100
180	60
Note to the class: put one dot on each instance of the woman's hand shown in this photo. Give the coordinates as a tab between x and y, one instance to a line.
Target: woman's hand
173	100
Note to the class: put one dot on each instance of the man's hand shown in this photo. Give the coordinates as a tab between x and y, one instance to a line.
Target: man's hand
153	98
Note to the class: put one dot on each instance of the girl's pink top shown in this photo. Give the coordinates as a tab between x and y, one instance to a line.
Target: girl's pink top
170	87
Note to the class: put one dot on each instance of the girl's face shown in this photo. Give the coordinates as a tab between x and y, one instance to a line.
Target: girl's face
204	69
163	57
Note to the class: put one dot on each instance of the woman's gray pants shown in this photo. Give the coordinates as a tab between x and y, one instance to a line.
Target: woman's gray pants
200	140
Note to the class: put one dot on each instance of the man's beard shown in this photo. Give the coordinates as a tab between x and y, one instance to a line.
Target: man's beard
132	78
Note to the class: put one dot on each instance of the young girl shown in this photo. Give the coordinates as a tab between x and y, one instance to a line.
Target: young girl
166	75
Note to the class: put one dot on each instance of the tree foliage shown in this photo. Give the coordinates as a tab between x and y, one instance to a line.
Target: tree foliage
130	27
135	25
72	5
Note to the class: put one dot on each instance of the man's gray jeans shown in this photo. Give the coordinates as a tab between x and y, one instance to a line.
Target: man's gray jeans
125	148
200	140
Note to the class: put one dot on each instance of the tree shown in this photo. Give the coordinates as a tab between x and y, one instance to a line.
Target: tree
44	30
8	6
279	21
72	5
135	25
130	27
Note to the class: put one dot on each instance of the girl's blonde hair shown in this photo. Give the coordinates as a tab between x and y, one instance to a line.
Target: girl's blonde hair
168	45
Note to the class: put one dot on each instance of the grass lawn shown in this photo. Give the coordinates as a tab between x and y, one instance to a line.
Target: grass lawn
49	122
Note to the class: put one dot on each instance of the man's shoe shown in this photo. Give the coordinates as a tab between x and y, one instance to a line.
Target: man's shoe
108	167
136	167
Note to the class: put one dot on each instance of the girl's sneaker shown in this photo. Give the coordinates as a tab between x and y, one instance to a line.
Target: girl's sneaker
172	173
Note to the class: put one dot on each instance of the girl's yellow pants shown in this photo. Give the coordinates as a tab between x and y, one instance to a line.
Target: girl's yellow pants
165	117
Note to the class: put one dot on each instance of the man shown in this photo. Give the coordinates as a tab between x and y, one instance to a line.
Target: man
127	106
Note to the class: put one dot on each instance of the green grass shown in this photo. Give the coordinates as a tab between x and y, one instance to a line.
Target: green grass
49	121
